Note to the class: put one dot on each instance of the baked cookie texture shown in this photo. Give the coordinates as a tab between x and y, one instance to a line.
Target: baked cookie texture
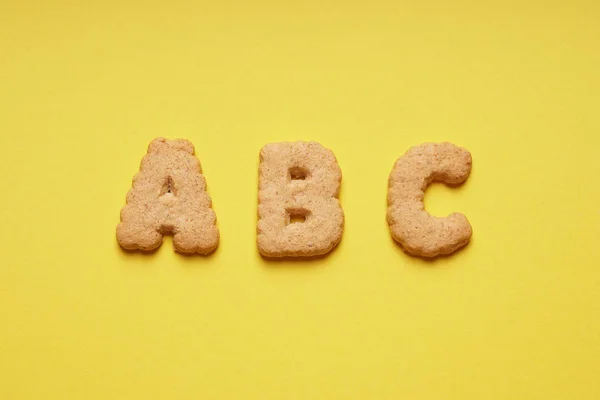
418	232
169	196
298	181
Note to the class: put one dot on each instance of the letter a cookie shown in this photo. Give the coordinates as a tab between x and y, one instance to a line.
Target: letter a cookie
169	197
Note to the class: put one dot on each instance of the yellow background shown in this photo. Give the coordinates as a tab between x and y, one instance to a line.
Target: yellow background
84	87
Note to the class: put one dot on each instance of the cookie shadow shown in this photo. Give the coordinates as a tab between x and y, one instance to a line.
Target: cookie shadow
137	253
166	243
440	259
192	259
450	185
308	262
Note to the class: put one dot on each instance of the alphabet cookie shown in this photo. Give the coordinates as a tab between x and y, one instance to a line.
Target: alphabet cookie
415	229
169	197
299	213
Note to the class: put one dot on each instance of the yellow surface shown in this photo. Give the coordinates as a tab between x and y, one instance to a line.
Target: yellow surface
83	90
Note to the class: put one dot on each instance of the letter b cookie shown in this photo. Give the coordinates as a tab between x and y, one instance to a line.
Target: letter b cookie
298	210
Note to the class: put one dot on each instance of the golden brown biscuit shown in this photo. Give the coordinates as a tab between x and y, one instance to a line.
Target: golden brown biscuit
298	210
415	229
169	197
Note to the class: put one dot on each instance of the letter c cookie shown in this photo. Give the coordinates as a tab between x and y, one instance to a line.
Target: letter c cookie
418	232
